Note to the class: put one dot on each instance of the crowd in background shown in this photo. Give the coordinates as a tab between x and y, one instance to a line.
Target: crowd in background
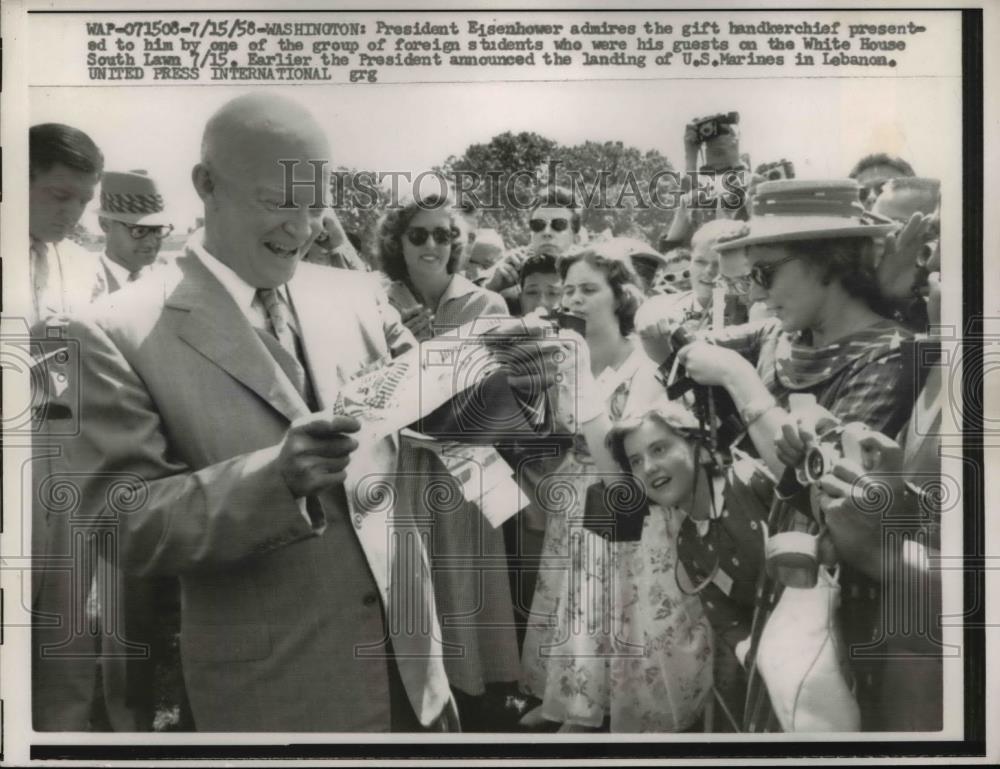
697	548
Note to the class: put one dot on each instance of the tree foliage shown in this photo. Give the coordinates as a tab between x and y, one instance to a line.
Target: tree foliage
613	184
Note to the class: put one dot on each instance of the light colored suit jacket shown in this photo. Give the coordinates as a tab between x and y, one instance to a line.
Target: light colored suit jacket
65	640
183	413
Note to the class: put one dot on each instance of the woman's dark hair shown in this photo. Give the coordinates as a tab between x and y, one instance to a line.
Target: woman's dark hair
559	197
51	144
545	264
621	277
849	261
392	228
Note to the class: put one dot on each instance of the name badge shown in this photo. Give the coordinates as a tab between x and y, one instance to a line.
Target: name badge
723	581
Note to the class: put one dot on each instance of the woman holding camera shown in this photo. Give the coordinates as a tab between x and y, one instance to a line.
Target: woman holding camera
610	643
419	252
812	250
812	261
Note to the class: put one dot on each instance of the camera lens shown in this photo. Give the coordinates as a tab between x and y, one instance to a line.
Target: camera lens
815	465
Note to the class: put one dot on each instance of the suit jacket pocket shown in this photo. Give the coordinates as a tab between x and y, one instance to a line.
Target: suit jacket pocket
225	643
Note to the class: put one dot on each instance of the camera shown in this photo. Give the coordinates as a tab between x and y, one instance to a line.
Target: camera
833	446
709	400
568	321
712	127
772	172
818	462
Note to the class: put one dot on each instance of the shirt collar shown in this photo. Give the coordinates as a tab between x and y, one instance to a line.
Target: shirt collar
241	291
459	286
609	379
119	273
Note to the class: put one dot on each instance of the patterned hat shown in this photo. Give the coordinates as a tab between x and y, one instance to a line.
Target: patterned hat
796	209
131	198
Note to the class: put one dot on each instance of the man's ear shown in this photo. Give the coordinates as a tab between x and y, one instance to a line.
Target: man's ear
204	182
104	225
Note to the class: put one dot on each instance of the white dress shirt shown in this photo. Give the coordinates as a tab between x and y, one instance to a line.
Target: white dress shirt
242	292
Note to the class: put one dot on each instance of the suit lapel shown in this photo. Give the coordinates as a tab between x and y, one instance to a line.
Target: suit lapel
215	327
110	283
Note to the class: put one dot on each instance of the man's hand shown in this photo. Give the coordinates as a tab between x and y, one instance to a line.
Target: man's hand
902	251
856	500
654	326
799	432
334	231
315	452
506	272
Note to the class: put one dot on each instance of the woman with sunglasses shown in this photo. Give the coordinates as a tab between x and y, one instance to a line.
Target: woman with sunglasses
719	539
610	645
419	251
811	250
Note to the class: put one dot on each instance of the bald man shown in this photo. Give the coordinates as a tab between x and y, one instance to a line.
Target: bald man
208	390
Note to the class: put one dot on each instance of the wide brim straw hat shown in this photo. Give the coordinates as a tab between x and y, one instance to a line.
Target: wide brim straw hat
798	209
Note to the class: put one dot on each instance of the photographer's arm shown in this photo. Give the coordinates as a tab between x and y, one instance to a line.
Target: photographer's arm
711	364
764	417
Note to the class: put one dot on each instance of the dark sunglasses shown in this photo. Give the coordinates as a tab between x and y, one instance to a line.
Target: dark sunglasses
539	225
762	273
139	231
670	277
418	235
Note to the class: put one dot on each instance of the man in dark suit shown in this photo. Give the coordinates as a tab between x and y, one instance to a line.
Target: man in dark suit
209	440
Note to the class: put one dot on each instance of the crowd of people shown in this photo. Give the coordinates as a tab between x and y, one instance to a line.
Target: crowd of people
699	431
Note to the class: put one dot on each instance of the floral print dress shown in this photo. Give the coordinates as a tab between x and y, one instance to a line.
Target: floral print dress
611	638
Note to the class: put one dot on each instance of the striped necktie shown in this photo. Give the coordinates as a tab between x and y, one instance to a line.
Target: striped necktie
277	316
283	343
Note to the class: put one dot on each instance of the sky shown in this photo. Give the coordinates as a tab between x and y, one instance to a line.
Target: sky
823	125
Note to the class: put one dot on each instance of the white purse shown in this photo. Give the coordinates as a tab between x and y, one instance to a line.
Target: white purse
800	657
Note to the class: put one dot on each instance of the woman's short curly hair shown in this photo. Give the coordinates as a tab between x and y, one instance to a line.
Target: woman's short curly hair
392	228
622	278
